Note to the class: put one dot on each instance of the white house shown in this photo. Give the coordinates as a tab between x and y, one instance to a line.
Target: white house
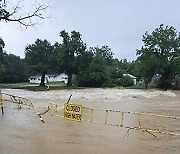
49	78
57	78
132	77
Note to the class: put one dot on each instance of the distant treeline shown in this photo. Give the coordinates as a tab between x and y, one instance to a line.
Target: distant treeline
96	66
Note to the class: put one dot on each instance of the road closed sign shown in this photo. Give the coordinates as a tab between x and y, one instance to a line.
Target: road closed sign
72	112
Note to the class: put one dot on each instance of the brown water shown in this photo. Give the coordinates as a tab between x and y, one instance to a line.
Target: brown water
21	131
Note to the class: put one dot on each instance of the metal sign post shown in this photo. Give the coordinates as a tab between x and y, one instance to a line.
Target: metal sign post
2	109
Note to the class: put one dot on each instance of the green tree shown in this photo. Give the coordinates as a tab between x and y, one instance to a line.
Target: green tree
11	66
14	69
163	48
127	67
2	44
95	67
126	81
82	76
71	50
97	70
106	52
146	67
2	61
114	73
40	58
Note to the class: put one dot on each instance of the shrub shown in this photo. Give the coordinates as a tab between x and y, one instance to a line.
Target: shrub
126	81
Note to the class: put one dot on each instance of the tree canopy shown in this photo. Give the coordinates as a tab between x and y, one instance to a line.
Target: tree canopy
14	69
93	67
100	69
11	66
2	44
96	66
39	58
160	55
70	52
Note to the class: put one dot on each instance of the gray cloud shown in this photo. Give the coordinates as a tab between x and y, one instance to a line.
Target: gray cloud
120	24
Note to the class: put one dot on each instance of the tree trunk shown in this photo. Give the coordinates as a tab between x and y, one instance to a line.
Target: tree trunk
69	84
42	80
146	84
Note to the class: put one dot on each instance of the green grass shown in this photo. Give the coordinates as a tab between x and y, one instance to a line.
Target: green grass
50	86
13	85
55	84
135	87
33	87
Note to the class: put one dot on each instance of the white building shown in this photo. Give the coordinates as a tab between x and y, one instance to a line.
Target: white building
132	77
49	78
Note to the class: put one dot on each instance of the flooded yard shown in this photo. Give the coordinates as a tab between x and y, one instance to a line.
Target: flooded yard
21	131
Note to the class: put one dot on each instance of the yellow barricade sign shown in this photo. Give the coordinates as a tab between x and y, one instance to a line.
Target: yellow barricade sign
72	112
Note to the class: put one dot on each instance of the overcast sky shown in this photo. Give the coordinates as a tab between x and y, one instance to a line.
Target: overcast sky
120	24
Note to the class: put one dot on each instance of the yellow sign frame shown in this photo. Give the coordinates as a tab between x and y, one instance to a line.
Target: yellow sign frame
73	112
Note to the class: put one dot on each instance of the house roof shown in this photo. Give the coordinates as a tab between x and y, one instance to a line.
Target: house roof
131	76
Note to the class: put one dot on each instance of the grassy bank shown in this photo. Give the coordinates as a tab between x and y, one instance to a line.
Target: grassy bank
14	85
34	87
51	86
135	87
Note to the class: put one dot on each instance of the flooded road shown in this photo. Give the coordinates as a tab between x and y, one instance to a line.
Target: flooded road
21	131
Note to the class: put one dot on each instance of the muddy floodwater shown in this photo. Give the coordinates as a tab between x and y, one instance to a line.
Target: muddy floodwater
22	132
